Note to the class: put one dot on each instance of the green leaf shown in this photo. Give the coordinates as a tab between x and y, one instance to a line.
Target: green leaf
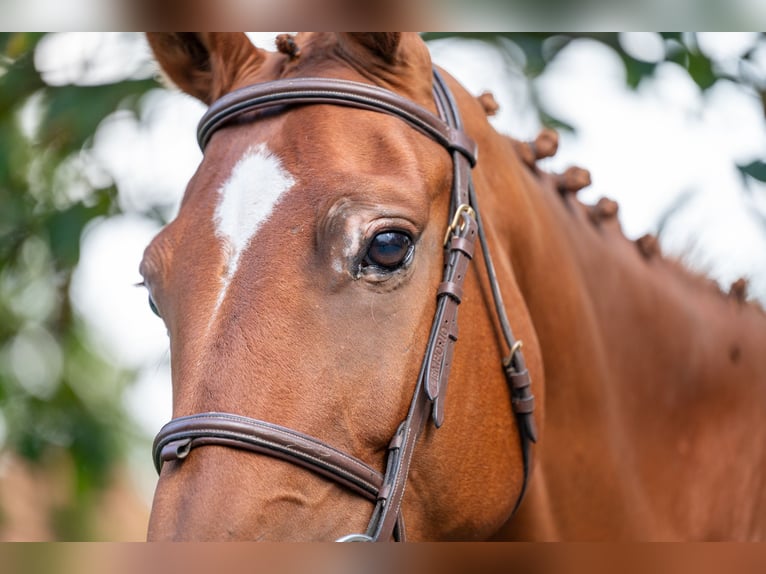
74	112
19	81
15	44
533	50
700	69
65	227
555	123
755	169
636	70
677	53
678	36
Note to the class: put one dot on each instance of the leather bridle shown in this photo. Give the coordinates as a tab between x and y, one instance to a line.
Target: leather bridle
386	490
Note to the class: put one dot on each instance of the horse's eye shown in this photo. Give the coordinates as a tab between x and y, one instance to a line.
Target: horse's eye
389	250
153	307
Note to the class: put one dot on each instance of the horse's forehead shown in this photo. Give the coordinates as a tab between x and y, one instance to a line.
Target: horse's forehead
247	197
301	164
245	201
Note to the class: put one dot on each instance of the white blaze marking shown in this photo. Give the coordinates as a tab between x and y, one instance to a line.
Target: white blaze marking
247	200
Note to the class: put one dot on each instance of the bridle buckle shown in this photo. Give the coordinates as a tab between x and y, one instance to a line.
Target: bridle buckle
456	224
355	538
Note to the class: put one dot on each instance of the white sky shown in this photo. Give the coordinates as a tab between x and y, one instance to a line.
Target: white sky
643	149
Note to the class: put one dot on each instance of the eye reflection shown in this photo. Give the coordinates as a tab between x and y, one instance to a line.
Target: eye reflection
388	250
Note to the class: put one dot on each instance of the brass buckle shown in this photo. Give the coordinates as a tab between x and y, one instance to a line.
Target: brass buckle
462	208
515	349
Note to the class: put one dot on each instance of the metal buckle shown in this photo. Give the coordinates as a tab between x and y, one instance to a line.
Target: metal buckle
515	349
462	208
355	538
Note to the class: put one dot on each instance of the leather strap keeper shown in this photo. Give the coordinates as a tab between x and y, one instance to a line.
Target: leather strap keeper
462	244
523	406
452	289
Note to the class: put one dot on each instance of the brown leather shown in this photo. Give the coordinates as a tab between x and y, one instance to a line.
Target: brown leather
180	436
266	438
336	92
439	355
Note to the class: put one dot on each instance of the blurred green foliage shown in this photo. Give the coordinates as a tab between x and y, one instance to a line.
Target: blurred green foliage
532	52
541	48
57	394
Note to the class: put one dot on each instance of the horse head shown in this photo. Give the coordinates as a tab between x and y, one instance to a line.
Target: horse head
299	285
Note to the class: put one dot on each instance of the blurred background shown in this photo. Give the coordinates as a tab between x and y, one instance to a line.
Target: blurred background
95	155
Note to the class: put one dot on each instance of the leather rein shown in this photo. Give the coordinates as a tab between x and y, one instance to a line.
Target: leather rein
386	491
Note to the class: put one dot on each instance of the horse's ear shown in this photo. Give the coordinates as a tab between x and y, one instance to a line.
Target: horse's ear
205	65
382	44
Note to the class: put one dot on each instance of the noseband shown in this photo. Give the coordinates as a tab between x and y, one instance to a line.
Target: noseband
386	491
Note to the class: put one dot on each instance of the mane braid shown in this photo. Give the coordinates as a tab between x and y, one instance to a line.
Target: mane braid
575	178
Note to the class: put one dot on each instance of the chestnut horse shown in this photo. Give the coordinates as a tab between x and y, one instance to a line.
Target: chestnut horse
300	281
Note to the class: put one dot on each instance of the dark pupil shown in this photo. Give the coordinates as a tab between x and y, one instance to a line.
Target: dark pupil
389	249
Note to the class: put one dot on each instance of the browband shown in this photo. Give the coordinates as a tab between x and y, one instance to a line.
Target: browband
335	92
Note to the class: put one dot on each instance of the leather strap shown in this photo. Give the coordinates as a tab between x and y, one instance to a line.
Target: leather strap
449	295
178	437
181	435
336	92
514	366
434	373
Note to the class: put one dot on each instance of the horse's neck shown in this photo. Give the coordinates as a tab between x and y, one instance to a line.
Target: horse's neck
655	381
